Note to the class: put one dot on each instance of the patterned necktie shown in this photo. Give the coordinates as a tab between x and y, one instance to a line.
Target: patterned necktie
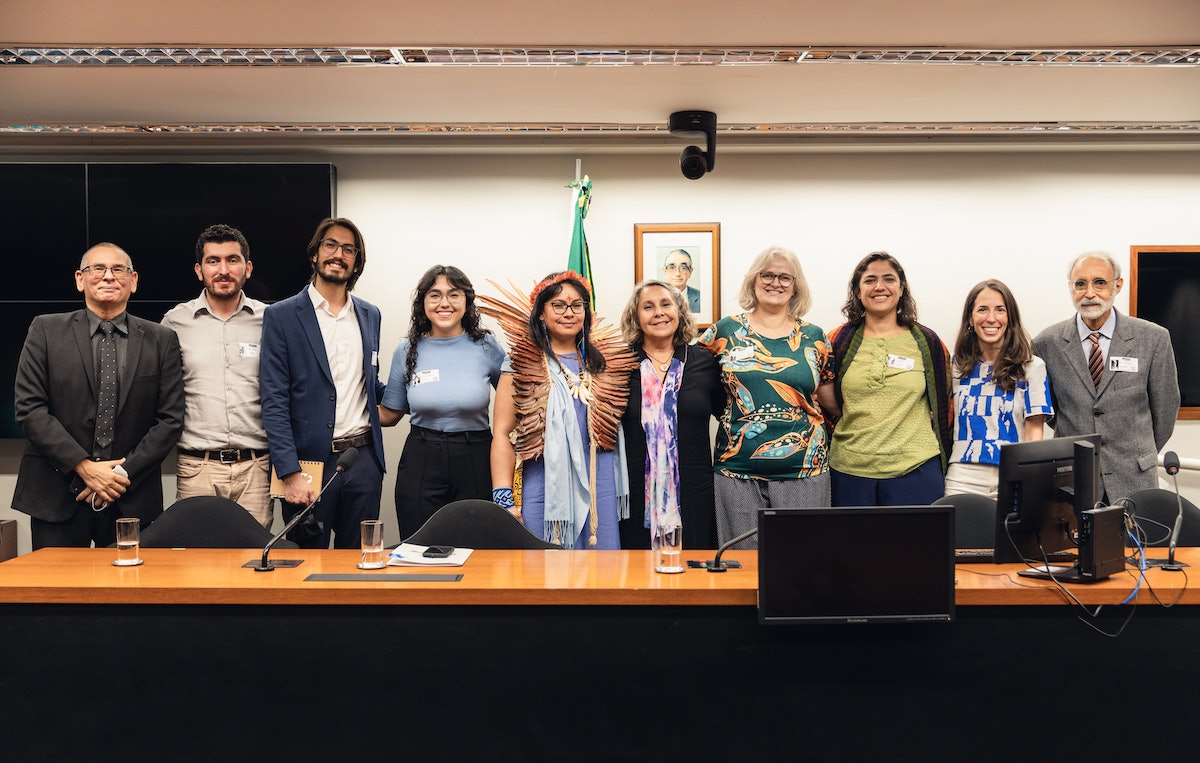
1095	359
106	395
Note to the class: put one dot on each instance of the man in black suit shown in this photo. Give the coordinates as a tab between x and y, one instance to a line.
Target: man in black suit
86	462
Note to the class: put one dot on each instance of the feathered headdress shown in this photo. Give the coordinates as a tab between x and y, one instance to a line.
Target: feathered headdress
531	372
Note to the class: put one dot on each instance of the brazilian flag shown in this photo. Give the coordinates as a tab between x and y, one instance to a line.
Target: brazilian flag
579	259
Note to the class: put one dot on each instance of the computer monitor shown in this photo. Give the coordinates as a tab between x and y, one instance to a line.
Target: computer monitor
856	564
1045	486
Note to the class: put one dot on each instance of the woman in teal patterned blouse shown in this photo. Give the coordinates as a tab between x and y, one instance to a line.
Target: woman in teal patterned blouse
771	446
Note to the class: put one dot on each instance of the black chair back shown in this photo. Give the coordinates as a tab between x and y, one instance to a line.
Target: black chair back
207	522
476	524
974	520
1154	510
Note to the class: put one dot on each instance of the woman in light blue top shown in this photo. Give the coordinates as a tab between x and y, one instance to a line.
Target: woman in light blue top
442	374
1001	393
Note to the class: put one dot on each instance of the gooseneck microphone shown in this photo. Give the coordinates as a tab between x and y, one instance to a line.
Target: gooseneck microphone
1171	464
715	564
344	462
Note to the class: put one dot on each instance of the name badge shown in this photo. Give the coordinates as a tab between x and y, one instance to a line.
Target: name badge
425	377
247	350
900	362
741	353
1127	365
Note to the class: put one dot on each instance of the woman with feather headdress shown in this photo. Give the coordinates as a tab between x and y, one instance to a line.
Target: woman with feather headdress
557	415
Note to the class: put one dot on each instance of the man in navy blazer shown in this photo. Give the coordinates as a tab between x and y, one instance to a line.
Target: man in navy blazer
73	481
320	389
1134	406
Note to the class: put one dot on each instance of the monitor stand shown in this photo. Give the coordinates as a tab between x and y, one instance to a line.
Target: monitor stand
1066	575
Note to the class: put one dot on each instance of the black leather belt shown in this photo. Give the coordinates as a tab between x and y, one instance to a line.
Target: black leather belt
229	456
434	435
353	441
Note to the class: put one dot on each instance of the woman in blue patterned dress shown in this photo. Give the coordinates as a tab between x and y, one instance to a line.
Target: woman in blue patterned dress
1001	392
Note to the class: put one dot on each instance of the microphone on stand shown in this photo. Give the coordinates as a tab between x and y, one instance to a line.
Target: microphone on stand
716	565
1171	464
344	462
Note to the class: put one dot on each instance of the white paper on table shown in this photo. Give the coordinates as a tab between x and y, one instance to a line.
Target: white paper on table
410	555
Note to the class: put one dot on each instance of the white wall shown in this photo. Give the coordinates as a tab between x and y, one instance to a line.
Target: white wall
952	218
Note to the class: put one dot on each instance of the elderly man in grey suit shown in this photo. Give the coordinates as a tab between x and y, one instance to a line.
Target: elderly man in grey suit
1111	374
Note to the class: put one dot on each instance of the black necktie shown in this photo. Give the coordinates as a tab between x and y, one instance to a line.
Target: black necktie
106	393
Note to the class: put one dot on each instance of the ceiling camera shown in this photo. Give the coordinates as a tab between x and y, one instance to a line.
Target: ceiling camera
695	125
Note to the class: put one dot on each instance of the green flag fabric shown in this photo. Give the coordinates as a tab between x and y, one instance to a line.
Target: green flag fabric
579	259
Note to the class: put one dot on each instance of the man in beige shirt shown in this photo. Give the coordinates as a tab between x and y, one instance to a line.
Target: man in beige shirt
223	449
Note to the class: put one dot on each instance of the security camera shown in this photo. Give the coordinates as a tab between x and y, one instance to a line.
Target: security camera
695	125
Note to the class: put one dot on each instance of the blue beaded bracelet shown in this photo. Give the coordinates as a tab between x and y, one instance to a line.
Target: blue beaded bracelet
503	497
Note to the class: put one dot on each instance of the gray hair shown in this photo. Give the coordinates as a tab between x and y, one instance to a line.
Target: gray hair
631	327
1116	266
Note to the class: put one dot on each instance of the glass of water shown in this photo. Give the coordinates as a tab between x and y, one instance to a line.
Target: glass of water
372	545
128	542
667	545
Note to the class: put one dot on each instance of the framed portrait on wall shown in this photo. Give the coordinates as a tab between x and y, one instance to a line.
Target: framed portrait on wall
685	255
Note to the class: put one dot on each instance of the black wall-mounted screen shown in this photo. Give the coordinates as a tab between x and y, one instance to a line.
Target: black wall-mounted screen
154	212
1167	291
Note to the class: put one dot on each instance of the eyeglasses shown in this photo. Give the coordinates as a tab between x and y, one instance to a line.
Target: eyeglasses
97	271
671	267
1097	284
329	246
562	308
766	279
453	297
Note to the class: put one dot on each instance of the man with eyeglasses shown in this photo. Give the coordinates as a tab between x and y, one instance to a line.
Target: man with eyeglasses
223	448
1111	374
319	381
677	271
99	394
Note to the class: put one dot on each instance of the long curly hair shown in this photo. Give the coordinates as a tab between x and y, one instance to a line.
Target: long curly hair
419	324
1015	351
549	288
855	312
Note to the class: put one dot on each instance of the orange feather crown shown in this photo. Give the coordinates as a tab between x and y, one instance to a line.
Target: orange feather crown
566	275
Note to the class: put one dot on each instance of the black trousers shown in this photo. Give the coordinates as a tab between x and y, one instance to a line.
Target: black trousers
80	530
437	468
349	499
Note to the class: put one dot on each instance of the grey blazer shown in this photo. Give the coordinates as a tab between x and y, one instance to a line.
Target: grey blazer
1134	412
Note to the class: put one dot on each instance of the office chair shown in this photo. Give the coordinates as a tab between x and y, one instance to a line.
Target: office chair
974	519
475	523
207	522
1154	510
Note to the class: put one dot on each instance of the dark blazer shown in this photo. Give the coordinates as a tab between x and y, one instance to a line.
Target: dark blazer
701	397
1133	412
55	401
296	384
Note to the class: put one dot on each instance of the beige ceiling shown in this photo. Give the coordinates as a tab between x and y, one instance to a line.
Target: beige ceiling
812	93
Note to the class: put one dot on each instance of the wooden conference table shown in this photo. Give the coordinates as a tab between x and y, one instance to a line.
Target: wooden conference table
571	655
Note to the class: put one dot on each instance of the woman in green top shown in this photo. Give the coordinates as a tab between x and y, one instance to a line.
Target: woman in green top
893	393
771	448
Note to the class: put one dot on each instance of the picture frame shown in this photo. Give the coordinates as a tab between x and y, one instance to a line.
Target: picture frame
668	251
1164	287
